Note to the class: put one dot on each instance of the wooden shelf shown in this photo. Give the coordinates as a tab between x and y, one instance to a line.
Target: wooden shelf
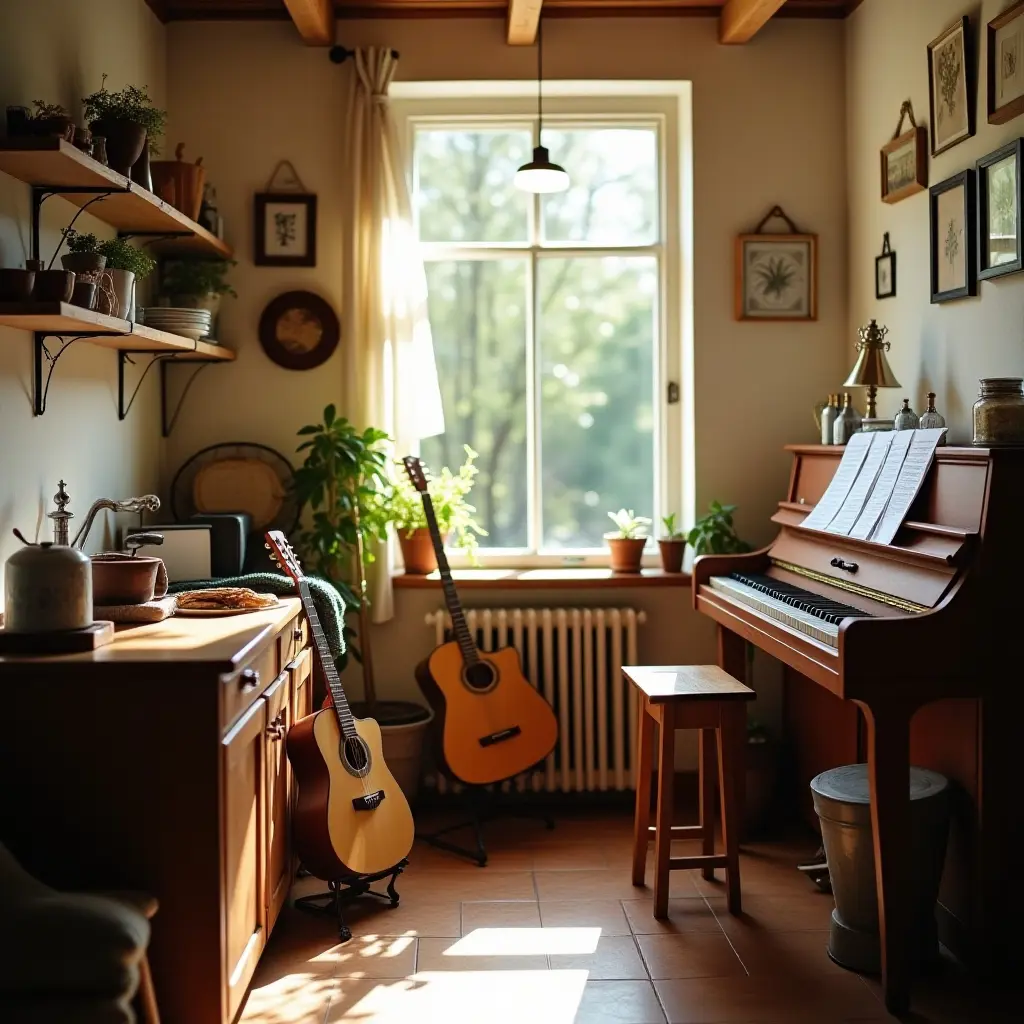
54	162
61	318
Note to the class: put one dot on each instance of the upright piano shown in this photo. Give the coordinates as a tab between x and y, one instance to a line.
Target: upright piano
933	616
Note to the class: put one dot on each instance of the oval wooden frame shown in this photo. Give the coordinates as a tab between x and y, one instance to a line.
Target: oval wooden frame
320	308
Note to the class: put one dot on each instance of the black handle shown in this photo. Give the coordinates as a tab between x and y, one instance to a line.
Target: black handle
135	541
838	563
249	679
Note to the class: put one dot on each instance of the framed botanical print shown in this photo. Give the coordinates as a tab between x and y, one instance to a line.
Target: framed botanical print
999	212
953	233
285	229
1006	65
885	271
776	275
905	165
950	87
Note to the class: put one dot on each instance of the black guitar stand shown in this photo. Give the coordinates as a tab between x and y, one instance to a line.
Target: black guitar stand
484	805
343	891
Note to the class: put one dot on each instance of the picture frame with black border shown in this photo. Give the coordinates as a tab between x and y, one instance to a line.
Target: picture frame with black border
284	229
999	250
885	271
952	253
956	109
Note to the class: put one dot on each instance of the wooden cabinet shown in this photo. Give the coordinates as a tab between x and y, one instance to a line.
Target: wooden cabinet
278	875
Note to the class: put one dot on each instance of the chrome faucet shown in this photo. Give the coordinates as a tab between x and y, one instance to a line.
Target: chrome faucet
147	503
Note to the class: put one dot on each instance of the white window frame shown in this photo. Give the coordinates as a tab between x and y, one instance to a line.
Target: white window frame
664	106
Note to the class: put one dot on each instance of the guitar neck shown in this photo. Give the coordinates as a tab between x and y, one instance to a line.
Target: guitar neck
470	655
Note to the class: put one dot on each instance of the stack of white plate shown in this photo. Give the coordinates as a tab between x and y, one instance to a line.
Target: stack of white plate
189	323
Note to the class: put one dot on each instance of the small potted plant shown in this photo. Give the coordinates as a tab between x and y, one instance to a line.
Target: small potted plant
401	505
196	284
628	540
131	125
671	544
52	119
715	534
126	266
83	255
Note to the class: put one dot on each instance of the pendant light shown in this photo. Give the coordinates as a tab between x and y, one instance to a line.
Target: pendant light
540	175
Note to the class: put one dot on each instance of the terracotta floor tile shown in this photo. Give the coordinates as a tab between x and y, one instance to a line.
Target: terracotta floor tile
607	915
691	914
602	885
465	881
410	917
296	998
774	953
460	955
615	959
619	1002
696	955
811	913
376	957
568	856
507	914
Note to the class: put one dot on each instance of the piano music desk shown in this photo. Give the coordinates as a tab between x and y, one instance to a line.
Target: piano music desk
928	618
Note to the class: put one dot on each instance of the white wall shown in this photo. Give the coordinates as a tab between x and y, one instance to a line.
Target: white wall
946	347
57	51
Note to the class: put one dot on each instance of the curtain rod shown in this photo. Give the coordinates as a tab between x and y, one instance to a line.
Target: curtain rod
339	54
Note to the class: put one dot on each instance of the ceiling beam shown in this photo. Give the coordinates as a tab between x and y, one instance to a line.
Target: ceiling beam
314	19
741	20
523	19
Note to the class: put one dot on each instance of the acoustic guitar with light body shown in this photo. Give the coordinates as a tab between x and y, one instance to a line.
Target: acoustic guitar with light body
351	817
494	724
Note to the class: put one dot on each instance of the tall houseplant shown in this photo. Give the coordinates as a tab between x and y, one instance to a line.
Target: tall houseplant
132	125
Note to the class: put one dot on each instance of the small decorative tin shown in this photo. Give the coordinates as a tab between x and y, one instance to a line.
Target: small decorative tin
906	418
999	412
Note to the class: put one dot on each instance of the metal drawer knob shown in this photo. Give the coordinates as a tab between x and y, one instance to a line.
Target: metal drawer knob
838	563
297	633
249	679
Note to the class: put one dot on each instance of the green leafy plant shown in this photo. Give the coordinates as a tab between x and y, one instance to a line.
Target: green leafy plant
196	278
627	525
775	277
122	255
45	111
79	241
669	524
401	505
128	104
715	534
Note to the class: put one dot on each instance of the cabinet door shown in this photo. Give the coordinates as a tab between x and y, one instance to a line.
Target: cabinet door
302	684
279	786
243	845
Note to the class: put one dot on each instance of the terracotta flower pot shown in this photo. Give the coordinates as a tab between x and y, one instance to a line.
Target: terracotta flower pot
672	550
626	553
417	551
125	141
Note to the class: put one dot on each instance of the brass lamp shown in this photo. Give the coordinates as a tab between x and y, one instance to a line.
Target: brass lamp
872	371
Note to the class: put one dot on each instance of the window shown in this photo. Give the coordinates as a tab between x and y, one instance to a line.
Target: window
548	323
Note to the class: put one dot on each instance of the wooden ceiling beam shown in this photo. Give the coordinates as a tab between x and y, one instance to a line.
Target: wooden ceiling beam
314	19
523	19
741	20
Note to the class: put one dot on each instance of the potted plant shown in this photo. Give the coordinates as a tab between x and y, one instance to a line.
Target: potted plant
401	505
52	119
126	266
338	483
715	534
83	255
671	544
628	540
131	125
196	284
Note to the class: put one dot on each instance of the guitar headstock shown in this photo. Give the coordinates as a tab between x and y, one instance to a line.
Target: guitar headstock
418	473
283	555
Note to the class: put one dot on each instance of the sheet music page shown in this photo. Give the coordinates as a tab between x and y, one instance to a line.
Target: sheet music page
832	500
865	482
899	444
915	469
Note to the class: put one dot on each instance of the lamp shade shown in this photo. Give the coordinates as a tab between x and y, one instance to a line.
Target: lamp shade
540	175
872	368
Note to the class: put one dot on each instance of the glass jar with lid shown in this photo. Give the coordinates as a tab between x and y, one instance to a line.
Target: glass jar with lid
999	412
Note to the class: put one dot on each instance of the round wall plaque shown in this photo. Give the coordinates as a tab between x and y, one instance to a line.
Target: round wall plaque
299	330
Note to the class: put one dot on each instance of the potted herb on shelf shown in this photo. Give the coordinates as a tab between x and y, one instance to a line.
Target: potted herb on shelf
83	255
132	126
671	544
126	266
400	504
52	119
196	284
338	483
628	540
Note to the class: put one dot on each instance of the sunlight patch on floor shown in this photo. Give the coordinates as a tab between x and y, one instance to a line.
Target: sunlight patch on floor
525	941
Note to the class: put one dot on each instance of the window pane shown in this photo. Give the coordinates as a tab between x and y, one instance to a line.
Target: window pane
612	197
478	319
463	185
597	330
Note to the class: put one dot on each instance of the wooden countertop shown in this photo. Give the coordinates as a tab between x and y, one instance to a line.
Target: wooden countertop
222	643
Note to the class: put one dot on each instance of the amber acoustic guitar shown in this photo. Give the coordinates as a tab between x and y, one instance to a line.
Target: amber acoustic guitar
494	724
351	818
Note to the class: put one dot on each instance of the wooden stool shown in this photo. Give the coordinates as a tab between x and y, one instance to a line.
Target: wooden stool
146	995
689	697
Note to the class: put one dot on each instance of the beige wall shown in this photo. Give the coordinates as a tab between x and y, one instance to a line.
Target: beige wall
942	348
57	50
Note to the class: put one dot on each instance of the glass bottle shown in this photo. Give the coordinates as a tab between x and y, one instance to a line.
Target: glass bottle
844	427
930	419
906	418
999	412
828	419
855	416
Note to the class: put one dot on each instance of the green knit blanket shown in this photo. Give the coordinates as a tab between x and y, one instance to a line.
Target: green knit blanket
330	608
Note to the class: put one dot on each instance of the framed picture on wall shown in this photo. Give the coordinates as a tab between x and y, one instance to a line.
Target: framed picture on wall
905	165
953	234
776	275
885	271
284	229
1005	51
999	212
950	87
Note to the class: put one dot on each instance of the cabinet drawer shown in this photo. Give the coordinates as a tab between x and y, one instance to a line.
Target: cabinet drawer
294	637
301	669
238	691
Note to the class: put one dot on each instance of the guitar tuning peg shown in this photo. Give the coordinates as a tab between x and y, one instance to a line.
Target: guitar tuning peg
267	546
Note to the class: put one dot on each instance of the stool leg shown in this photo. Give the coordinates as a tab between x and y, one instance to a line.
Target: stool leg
642	815
663	835
706	768
147	994
731	739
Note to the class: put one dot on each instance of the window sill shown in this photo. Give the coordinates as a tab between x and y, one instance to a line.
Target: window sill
544	579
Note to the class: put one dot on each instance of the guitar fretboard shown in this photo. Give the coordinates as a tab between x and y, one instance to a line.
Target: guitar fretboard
346	720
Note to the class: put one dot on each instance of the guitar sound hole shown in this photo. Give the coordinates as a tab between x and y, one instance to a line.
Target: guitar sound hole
480	676
355	756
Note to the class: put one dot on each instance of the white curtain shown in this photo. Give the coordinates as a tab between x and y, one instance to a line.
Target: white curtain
390	374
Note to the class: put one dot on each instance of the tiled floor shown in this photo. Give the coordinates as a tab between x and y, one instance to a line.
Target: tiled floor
552	932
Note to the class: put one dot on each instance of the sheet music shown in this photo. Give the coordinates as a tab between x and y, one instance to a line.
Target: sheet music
899	443
832	500
915	469
865	482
